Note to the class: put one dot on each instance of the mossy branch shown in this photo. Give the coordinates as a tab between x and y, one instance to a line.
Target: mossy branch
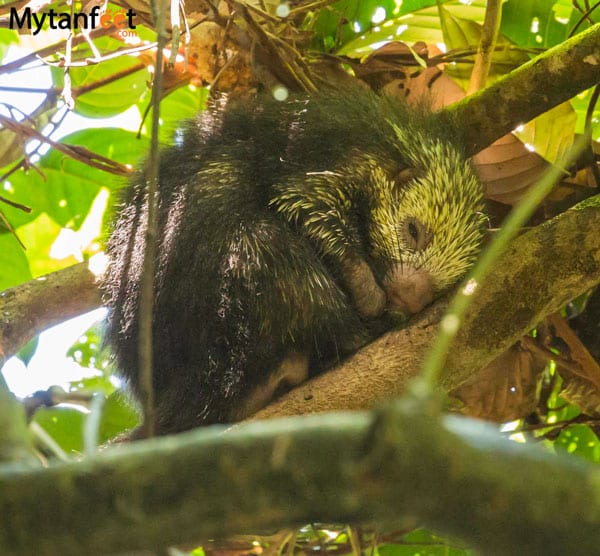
398	466
554	77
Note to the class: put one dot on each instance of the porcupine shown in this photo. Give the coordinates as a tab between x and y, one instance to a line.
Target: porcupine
286	229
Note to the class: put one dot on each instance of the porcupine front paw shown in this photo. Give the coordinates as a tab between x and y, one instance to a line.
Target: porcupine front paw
367	297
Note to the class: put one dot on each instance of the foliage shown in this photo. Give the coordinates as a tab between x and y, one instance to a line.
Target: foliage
65	193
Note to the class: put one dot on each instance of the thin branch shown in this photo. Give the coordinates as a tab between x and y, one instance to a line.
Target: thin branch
146	321
76	152
487	44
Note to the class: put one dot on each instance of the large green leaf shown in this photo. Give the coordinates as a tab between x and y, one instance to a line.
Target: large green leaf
421	24
343	21
423	543
85	351
580	440
118	415
541	23
551	134
39	236
64	425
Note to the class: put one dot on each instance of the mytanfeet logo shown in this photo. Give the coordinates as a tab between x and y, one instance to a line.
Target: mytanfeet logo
89	20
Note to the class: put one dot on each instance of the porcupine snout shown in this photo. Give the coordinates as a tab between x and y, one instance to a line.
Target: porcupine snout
408	290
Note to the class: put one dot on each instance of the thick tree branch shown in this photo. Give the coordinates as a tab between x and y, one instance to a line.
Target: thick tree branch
455	476
30	308
541	271
543	83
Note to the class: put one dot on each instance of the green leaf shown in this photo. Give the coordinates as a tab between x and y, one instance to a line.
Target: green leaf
345	20
28	350
64	425
14	266
25	188
540	23
38	236
7	37
116	95
118	415
580	104
100	383
423	543
87	353
580	440
421	24
551	134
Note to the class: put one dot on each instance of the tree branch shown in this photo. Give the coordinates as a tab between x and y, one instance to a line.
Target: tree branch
30	308
453	475
546	81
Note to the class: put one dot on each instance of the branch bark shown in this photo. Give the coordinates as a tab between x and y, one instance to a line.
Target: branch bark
30	308
554	77
400	466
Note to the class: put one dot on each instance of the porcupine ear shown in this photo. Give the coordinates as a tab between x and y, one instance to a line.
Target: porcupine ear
404	139
405	175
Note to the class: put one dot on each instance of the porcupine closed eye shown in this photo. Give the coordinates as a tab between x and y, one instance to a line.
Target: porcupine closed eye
286	229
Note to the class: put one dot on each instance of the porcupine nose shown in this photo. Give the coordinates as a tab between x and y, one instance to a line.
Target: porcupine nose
408	290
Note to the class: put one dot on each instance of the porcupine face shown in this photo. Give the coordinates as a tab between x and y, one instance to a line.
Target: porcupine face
428	227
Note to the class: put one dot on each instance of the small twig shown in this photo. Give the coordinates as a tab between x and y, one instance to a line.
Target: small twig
78	153
487	44
585	16
310	6
9	226
47	442
67	92
588	130
14	204
579	420
146	320
108	80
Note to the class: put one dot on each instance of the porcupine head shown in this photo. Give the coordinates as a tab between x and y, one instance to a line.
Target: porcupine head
433	233
424	226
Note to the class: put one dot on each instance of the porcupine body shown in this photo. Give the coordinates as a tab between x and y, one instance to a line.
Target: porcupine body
285	230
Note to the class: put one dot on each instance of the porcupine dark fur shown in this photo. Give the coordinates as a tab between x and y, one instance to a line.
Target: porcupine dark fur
268	212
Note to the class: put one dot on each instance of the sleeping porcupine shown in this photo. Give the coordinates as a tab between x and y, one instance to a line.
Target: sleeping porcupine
285	230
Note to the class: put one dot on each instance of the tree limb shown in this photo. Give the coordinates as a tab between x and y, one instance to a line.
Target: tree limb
401	466
30	308
546	81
